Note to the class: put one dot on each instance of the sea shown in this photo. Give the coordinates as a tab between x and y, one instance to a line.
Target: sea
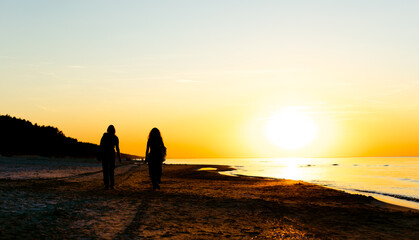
390	179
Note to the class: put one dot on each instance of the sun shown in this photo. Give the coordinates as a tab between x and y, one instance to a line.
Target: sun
291	128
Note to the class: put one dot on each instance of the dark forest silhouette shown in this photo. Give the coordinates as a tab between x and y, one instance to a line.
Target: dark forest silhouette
21	137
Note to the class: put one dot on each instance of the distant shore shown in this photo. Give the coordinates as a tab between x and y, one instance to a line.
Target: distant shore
44	198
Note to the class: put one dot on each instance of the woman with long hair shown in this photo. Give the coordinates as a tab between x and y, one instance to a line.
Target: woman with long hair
155	156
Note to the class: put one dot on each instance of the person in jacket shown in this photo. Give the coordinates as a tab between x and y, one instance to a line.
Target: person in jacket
108	144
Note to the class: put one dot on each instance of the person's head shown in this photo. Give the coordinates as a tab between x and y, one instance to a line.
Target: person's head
154	134
111	129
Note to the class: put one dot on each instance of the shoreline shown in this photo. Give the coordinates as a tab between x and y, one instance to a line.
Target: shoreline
378	202
192	204
403	196
392	204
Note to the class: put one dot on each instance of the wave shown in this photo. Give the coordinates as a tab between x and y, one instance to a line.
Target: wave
409	180
403	197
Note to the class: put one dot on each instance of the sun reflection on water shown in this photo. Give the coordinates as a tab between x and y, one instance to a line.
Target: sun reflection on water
293	168
289	168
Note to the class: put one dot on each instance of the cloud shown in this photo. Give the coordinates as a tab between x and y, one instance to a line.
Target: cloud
267	71
187	81
46	109
78	67
8	58
342	112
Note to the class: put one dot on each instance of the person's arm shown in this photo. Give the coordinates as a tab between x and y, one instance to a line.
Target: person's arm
146	152
99	152
117	150
164	150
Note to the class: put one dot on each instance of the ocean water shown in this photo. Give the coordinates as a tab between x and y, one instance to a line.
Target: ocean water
390	179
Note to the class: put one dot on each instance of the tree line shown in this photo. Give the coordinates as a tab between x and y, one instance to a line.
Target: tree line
21	137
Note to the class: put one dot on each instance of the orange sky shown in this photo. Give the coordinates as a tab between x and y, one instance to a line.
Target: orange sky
210	75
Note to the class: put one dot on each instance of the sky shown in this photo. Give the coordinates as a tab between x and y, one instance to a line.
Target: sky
211	74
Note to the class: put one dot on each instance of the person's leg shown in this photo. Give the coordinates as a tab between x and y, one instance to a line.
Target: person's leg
156	175
152	172
159	173
105	167
112	173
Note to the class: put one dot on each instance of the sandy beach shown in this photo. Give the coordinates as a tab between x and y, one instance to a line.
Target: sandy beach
64	199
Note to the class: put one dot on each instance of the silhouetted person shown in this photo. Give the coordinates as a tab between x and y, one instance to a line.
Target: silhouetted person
154	156
108	143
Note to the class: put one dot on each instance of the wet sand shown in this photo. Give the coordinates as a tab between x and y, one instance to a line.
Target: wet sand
192	204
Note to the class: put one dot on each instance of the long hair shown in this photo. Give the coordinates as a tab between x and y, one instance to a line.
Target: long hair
155	139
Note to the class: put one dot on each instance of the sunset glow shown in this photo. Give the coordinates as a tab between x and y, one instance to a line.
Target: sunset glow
215	77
